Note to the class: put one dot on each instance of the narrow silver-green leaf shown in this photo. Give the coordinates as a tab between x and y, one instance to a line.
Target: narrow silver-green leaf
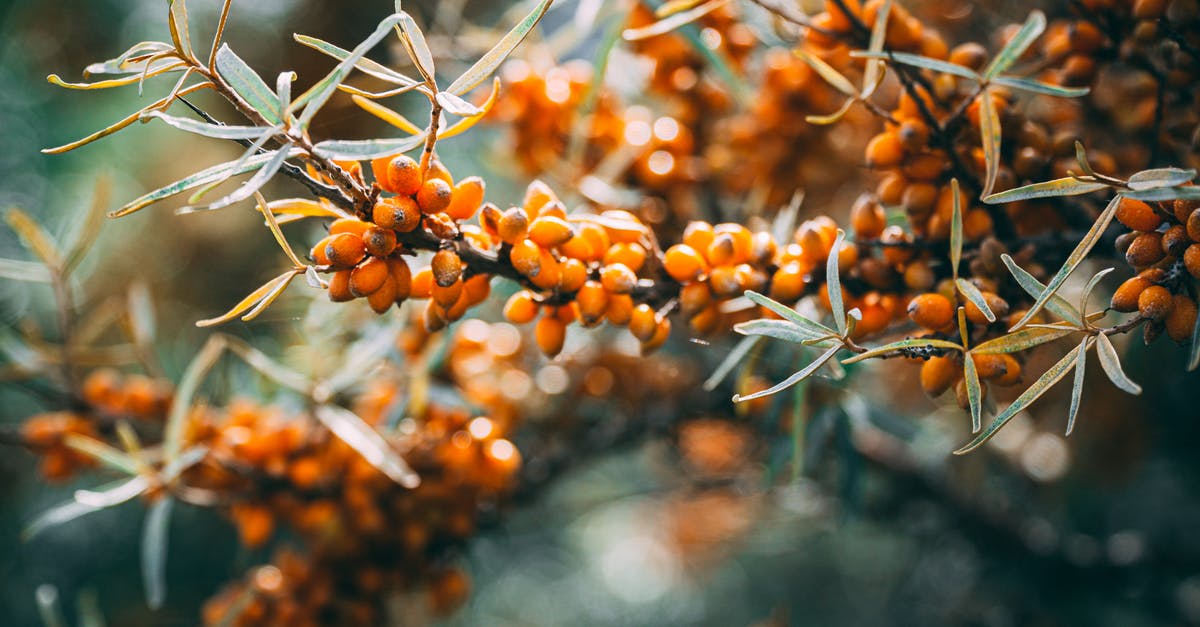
799	376
972	293
1077	256
1091	285
488	63
732	359
154	552
827	72
1058	187
780	330
122	65
900	345
956	230
181	403
1077	386
63	513
989	135
216	131
315	98
672	21
456	105
115	495
1056	304
1039	87
1111	363
364	64
211	175
917	60
974	392
364	439
418	49
833	283
102	452
788	313
361	150
1190	192
1023	340
1082	159
1031	394
283	91
248	84
18	270
874	68
1160	177
253	184
84	235
1033	27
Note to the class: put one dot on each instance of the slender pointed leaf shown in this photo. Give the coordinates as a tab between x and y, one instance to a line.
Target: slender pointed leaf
217	131
1023	340
394	118
364	64
417	48
974	392
826	71
833	283
956	230
1077	386
732	359
62	513
214	174
273	225
1160	177
315	98
799	376
488	63
181	403
1158	194
283	91
154	552
1111	364
456	105
85	234
35	238
1067	186
787	313
1091	285
1033	27
248	84
147	72
364	439
123	64
1077	256
252	184
825	120
272	295
901	345
989	134
1039	87
471	120
917	60
1082	159
124	122
125	491
102	452
1056	304
361	150
780	330
1031	394
251	300
972	293
874	69
17	270
672	22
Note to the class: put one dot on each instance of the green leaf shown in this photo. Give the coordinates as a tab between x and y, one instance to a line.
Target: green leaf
248	84
794	379
488	63
62	513
181	403
899	345
215	174
1111	364
17	270
781	330
672	21
456	105
833	282
123	65
1082	158
364	64
1191	192
1077	256
788	313
974	392
972	293
364	439
102	452
917	60
35	238
417	48
989	133
1033	27
88	228
216	131
265	293
825	120
1035	391
1091	285
111	495
1038	87
360	150
1077	386
252	185
956	230
153	70
731	361
1023	340
1068	186
1057	304
1160	177
316	97
826	71
283	91
154	552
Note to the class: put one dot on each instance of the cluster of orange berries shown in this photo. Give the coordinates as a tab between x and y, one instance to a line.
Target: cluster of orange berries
106	394
1163	245
281	469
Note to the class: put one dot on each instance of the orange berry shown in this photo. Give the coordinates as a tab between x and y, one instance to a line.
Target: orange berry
592	300
404	175
348	225
743	240
683	263
401	277
620	308
724	281
698	235
721	251
447	295
617	278
434	196
597	239
345	250
550	231
383	298
1145	250
399	212
573	274
379	242
438	170
1125	299
317	254
255	524
550	334
998	306
631	254
379	169
661	332
867	218
521	307
990	366
932	311
787	284
549	270
489	219
306	472
1193	225
525	256
1175	241
339	287
468	195
513	225
1191	260
885	151
422	283
537	194
447	267
693	297
1182	319
1137	215
369	276
1155	302
938	374
643	322
477	288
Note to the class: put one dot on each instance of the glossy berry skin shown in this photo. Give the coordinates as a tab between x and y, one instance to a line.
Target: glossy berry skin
932	311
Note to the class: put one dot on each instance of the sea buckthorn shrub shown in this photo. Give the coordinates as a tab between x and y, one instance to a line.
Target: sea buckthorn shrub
854	184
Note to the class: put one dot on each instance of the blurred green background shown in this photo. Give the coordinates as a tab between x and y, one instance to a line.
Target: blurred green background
1099	529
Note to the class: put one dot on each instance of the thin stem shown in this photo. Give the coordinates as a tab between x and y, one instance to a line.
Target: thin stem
435	117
